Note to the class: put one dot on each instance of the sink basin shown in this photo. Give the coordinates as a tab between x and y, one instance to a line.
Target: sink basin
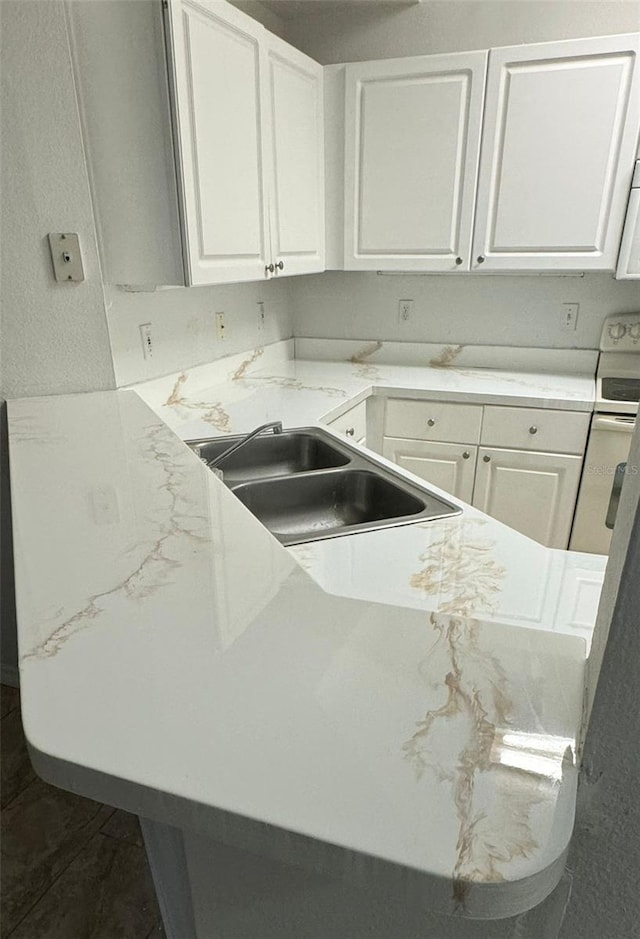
322	503
282	454
304	485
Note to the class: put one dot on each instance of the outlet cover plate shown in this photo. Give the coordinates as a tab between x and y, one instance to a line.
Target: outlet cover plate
66	257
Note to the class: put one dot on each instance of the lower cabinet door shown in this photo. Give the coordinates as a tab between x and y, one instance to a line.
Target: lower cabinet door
353	423
450	466
535	493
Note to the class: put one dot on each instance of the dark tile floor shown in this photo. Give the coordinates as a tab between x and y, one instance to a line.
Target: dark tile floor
71	868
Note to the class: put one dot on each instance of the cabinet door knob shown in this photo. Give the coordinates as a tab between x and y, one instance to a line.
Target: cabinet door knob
480	259
458	261
350	431
280	265
533	429
269	269
466	455
487	459
431	422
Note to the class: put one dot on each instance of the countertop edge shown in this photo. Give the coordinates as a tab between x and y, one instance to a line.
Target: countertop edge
426	890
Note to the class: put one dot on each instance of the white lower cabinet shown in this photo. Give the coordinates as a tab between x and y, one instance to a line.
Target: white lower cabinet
519	465
450	466
353	423
535	493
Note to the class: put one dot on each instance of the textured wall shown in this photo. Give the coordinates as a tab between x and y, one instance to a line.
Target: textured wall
54	336
8	640
265	14
470	308
351	32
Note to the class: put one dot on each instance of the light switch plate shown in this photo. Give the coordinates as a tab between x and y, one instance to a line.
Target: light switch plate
66	257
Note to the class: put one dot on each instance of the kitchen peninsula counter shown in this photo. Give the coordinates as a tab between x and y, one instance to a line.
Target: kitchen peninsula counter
368	708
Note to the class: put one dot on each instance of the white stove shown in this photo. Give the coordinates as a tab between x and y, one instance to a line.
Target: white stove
618	375
612	426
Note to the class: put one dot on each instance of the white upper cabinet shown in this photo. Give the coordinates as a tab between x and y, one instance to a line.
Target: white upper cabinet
219	99
204	141
559	138
296	138
629	257
411	156
249	116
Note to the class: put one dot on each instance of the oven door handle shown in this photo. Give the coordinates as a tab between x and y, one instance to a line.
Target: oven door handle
622	424
616	489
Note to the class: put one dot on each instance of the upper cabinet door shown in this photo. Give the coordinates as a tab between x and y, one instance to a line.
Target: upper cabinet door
629	258
296	143
218	76
411	159
560	131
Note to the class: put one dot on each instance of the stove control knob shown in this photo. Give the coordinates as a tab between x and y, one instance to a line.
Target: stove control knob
634	331
617	331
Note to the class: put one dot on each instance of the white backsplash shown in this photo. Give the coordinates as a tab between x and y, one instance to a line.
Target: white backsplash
478	309
459	356
183	325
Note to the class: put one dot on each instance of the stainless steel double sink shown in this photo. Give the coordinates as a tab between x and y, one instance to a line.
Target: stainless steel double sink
303	484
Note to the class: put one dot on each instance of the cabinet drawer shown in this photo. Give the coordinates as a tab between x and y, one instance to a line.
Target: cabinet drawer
353	423
433	420
535	429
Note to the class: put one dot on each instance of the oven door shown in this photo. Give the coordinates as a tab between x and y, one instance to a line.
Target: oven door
602	476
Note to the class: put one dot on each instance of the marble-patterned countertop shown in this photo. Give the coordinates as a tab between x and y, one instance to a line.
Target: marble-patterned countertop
369	706
234	395
547	589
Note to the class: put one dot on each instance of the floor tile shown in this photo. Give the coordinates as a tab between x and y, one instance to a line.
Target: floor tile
15	769
105	893
43	830
9	699
124	826
71	868
157	932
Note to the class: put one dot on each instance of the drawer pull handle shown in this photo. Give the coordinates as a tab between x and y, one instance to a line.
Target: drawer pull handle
533	429
431	422
269	269
466	455
280	265
458	261
487	459
480	259
350	431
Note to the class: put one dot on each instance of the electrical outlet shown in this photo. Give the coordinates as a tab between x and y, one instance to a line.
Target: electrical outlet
569	316
220	325
146	339
404	310
260	316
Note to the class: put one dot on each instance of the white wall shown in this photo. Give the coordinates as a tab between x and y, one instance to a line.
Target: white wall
183	325
54	336
350	32
469	308
267	15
